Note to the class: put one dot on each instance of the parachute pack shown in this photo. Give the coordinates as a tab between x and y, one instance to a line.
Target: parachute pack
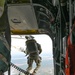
31	46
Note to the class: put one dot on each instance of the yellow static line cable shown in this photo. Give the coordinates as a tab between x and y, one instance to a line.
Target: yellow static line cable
24	31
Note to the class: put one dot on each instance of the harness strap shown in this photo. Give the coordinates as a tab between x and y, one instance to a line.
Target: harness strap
67	63
69	57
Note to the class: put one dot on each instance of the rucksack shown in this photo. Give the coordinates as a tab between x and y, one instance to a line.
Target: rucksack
31	46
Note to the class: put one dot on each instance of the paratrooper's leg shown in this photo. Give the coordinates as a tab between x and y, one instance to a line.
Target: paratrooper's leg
38	64
30	62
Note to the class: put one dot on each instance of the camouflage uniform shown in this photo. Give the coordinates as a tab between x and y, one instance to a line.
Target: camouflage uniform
34	57
4	46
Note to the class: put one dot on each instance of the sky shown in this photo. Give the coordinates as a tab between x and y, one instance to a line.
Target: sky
44	40
47	54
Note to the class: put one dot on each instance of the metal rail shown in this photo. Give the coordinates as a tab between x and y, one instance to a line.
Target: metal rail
20	69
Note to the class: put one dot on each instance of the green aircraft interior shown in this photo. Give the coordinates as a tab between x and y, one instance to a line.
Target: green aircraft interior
51	17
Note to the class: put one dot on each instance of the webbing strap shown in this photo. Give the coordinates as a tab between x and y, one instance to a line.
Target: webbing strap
67	63
68	54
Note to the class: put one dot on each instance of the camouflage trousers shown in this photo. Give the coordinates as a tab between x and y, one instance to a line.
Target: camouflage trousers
30	63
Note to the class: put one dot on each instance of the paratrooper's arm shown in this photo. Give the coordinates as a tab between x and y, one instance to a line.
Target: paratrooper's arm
39	48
